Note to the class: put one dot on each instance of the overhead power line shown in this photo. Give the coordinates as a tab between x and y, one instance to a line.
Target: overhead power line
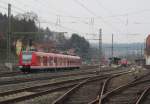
19	10
107	10
2	7
54	24
55	14
129	13
94	14
14	8
82	5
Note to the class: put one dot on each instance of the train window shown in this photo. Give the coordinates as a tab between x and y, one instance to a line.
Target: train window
58	61
61	62
64	63
55	61
45	60
26	57
50	60
61	59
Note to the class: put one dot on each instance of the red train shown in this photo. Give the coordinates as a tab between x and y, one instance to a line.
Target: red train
124	62
35	61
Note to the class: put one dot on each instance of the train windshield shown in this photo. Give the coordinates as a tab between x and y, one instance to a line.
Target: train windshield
26	57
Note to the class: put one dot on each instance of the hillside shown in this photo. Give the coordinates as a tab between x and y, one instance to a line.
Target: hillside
123	50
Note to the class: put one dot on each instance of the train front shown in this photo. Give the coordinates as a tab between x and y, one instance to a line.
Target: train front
25	60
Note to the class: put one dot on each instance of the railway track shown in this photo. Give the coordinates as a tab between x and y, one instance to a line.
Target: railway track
134	92
48	76
83	69
102	91
35	91
144	97
23	80
14	73
126	94
83	92
8	74
39	90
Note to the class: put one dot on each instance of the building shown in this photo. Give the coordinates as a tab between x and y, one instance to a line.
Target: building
147	52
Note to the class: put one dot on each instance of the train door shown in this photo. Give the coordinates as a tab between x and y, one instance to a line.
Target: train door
45	61
55	61
41	60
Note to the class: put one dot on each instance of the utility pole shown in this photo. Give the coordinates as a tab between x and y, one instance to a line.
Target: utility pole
141	55
100	48
112	47
39	25
127	52
9	34
141	51
39	28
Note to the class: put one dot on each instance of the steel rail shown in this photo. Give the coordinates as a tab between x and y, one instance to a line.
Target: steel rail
103	89
16	81
99	97
142	96
9	73
18	99
44	85
106	84
62	98
31	96
39	86
122	87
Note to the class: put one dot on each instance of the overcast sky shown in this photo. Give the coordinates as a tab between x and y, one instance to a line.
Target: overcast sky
128	20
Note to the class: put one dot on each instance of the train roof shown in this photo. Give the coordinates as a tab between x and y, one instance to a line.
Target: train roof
56	54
